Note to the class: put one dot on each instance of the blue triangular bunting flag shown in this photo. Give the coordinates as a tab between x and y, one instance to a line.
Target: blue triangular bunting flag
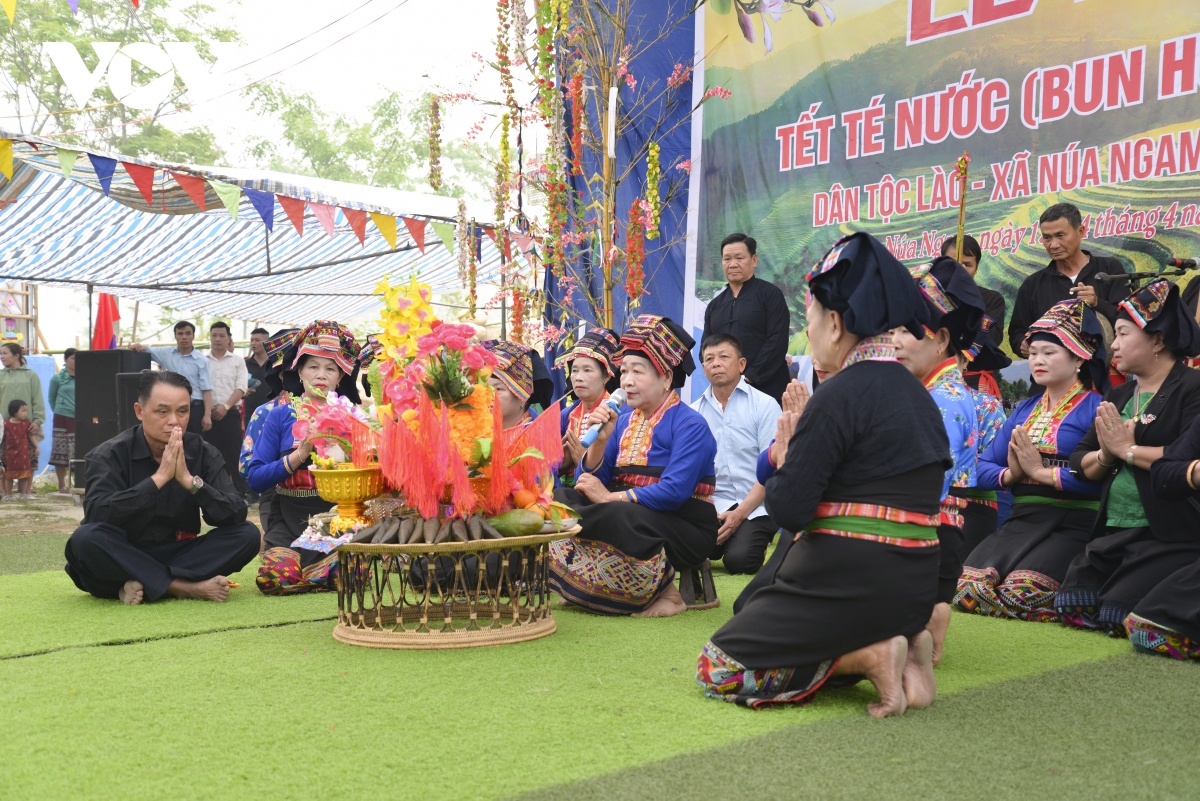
104	168
477	233
264	204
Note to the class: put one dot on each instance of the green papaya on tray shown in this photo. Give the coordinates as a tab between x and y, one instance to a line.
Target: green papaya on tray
517	523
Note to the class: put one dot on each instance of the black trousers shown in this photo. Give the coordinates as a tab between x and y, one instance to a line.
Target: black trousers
745	550
100	558
226	436
196	418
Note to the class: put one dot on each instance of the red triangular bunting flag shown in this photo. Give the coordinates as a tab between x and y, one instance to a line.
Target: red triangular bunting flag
194	187
294	208
491	232
358	223
143	176
416	229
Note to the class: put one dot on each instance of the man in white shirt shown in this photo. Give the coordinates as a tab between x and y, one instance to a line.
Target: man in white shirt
743	421
229	383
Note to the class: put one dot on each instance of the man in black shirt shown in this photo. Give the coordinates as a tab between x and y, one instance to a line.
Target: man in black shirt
755	312
1071	273
146	488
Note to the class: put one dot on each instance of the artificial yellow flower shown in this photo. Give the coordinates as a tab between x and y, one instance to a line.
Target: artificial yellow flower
406	316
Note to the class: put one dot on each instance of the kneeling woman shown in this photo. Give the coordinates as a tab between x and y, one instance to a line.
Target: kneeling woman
657	456
1016	571
861	482
321	360
1167	620
1139	539
955	310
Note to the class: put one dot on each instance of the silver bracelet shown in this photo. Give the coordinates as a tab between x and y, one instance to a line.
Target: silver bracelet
1103	463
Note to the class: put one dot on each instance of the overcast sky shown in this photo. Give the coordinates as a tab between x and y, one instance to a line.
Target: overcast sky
386	45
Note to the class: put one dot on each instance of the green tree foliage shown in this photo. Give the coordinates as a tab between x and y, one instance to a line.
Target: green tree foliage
30	84
390	148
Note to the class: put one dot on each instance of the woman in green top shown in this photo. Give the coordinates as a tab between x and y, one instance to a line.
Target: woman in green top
18	382
1141	539
62	403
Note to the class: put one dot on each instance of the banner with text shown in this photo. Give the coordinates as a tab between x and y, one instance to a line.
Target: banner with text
850	115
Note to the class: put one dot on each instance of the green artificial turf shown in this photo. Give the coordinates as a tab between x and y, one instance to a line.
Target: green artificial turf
1125	728
287	710
45	611
30	553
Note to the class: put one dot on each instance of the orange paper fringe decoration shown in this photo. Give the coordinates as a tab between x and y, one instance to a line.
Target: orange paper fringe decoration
501	476
544	435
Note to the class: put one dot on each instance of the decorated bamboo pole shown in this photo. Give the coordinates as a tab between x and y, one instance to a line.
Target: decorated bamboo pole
960	168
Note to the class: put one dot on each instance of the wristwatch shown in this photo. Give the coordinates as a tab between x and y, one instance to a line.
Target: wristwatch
197	485
1129	456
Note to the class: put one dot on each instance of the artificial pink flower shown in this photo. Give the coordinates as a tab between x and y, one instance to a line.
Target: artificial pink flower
427	344
472	358
457	343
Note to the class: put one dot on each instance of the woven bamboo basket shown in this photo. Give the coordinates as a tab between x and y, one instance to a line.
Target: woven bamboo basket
451	595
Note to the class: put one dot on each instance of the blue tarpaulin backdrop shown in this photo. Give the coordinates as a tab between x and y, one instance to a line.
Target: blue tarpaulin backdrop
671	27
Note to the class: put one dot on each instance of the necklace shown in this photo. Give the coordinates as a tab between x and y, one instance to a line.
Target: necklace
1043	421
1145	419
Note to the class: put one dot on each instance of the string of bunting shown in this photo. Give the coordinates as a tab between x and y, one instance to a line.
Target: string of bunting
230	195
10	7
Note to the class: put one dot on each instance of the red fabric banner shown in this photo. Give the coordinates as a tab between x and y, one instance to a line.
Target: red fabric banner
104	333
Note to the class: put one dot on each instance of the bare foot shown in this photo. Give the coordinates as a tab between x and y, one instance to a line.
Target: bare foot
132	593
938	625
920	687
669	602
214	589
882	664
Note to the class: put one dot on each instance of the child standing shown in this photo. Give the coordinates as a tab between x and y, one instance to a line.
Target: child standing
20	451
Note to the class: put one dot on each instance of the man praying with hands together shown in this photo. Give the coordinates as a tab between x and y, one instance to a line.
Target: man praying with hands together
146	487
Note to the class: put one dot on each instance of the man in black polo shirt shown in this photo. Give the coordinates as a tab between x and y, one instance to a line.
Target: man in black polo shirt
755	312
1071	273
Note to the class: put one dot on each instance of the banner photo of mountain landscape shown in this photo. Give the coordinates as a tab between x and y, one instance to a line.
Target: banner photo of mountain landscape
849	115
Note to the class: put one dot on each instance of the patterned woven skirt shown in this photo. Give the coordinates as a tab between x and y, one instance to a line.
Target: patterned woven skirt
62	446
1167	621
286	570
626	553
601	579
1016	572
280	573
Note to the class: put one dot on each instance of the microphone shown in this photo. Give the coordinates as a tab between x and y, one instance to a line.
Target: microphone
1187	264
615	401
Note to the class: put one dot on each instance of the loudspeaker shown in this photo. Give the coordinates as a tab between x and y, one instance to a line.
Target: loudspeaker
127	390
97	409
